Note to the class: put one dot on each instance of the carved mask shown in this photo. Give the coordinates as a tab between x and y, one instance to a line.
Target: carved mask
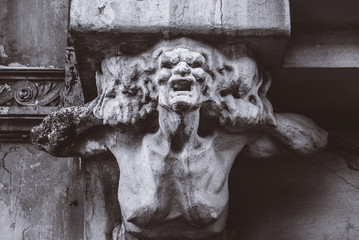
180	79
242	94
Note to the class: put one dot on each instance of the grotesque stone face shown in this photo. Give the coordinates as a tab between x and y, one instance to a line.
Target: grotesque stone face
180	79
241	94
174	181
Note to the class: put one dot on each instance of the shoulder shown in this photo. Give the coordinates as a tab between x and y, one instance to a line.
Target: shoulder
226	139
119	137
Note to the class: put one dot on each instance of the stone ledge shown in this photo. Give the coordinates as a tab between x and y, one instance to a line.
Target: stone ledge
241	18
323	48
103	27
27	95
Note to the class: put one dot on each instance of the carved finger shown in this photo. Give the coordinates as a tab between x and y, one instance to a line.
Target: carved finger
246	113
230	102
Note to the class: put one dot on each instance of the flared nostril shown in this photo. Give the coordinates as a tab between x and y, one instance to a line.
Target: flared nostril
182	69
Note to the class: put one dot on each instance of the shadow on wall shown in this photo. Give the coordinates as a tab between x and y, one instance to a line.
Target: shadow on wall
102	210
293	197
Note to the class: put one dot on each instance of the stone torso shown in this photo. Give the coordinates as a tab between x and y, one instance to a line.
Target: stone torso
184	193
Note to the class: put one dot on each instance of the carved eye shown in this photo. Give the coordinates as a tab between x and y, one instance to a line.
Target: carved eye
166	63
196	64
228	68
200	79
236	94
225	92
252	99
220	70
162	80
225	68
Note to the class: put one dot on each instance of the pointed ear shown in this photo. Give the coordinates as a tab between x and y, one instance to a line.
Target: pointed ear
266	82
270	119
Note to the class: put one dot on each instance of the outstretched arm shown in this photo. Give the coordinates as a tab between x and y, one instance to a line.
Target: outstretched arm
124	99
292	131
64	132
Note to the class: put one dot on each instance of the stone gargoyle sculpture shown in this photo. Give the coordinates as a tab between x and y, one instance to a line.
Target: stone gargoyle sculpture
175	118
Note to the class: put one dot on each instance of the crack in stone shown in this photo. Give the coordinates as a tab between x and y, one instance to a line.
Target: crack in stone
6	169
352	161
16	204
341	177
346	150
64	183
89	203
221	10
101	9
23	232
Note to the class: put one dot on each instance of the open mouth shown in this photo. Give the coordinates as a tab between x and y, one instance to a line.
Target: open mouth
182	85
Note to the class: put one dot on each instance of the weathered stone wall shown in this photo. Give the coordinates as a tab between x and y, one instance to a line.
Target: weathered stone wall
101	208
296	198
33	32
40	195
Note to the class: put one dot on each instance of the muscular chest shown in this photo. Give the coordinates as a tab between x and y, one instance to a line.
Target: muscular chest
156	164
192	162
191	184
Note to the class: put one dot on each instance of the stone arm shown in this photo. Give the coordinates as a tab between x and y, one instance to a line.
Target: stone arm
70	132
292	131
248	111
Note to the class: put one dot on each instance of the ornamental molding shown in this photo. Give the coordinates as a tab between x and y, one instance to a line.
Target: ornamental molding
36	92
27	95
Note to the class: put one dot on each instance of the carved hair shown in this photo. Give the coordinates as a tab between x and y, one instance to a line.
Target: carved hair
128	82
240	86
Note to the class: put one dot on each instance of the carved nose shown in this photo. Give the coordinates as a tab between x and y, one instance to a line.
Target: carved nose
182	68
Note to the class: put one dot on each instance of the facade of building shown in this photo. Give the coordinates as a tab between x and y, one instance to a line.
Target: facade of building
50	52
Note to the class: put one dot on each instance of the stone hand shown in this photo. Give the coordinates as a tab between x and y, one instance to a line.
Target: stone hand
247	111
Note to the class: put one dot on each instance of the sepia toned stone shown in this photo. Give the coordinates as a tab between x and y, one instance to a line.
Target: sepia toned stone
244	18
175	117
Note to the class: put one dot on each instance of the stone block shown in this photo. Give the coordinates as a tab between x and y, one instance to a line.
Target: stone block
103	27
33	33
259	17
40	198
321	48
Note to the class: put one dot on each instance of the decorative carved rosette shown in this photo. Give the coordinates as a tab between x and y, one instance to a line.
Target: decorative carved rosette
27	93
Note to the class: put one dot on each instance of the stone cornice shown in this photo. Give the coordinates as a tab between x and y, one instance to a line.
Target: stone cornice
28	94
30	87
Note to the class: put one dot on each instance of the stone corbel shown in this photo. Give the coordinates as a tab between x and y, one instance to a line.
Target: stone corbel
175	112
175	117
